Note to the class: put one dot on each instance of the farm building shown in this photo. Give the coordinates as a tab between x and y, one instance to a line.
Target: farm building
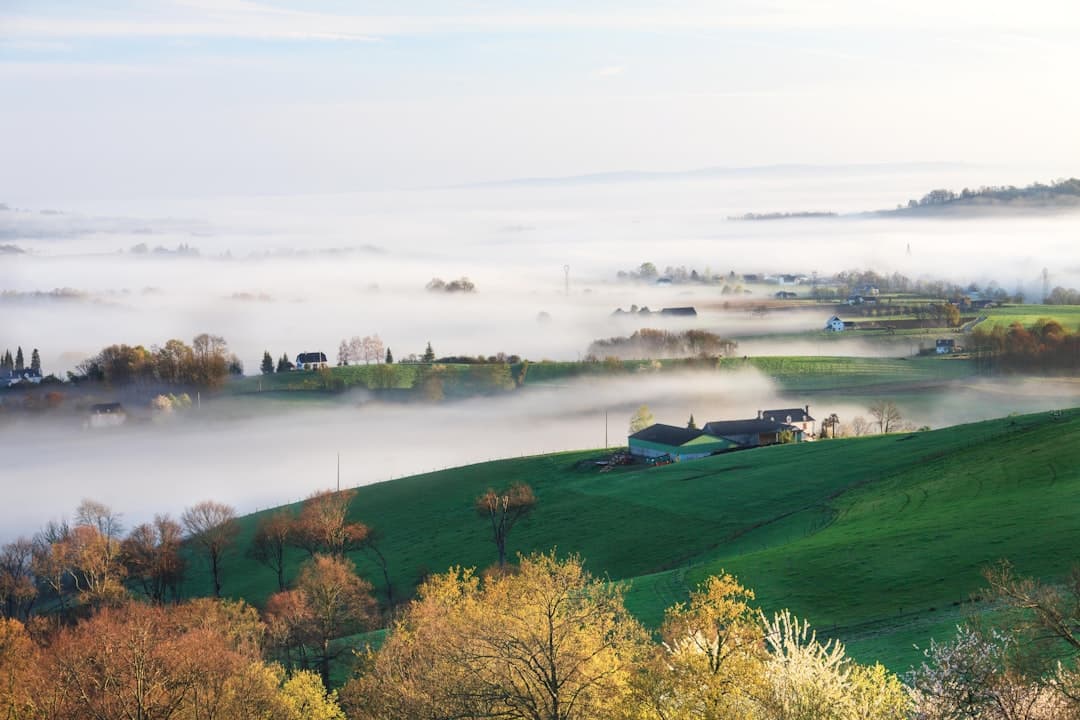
678	442
945	346
752	433
103	415
679	312
786	295
835	324
796	417
14	377
311	361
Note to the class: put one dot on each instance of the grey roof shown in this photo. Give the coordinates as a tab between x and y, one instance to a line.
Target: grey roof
782	415
679	311
311	357
666	435
726	428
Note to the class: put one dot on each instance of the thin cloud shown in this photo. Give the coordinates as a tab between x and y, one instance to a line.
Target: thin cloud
610	71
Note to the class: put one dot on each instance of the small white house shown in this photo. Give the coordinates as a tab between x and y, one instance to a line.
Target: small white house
311	361
835	324
945	346
106	415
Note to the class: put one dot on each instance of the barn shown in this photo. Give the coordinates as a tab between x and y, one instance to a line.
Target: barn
678	442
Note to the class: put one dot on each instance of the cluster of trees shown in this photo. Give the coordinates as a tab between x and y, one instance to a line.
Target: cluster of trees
1061	296
1043	346
200	659
462	285
651	343
1001	193
267	366
207	363
17	363
368	349
550	642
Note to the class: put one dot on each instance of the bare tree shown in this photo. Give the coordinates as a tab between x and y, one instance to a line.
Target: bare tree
212	527
859	426
151	554
372	348
272	534
885	413
504	510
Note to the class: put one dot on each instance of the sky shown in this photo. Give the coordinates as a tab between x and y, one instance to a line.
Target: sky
111	104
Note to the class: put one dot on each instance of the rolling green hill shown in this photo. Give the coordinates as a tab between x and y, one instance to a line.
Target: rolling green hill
877	540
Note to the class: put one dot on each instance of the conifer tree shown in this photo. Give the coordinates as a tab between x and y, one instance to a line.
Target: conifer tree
267	363
283	364
429	354
19	360
35	362
389	357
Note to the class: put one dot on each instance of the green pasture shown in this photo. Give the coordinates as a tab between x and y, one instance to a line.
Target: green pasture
876	540
1067	315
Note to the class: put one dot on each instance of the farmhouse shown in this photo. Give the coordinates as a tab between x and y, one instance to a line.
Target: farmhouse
785	295
311	361
945	346
14	377
835	324
678	442
104	415
796	417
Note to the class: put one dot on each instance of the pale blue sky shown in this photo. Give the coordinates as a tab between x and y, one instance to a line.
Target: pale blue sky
190	97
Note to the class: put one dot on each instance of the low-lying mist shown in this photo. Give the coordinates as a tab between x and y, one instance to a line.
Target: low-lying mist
252	454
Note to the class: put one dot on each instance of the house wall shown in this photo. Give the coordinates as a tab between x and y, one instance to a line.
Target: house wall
699	448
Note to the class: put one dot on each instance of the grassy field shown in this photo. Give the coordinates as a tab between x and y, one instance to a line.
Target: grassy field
875	540
1067	315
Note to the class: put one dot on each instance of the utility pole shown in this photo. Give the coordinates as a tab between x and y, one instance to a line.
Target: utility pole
605	430
566	272
339	472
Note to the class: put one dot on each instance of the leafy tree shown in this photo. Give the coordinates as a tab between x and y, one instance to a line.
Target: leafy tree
504	510
267	366
18	587
343	353
211	527
885	413
35	362
429	354
641	419
549	642
714	655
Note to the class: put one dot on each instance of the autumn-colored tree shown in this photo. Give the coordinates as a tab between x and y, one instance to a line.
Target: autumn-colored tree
272	535
151	554
330	601
340	602
641	419
503	510
546	643
714	654
18	661
94	566
211	527
322	526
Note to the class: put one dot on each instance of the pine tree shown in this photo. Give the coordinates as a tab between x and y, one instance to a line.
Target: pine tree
283	364
7	363
35	362
691	425
429	354
19	360
267	363
389	357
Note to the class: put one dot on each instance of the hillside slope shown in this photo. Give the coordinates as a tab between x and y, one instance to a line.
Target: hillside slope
876	540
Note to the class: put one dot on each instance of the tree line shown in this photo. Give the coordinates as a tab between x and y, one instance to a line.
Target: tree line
648	343
207	363
1045	346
